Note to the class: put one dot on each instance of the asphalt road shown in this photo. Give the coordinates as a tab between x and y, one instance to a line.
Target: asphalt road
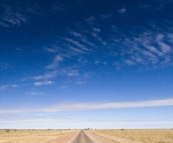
82	138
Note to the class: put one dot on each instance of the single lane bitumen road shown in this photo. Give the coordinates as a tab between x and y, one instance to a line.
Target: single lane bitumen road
82	138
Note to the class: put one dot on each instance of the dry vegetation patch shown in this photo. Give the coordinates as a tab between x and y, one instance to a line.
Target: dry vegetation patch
146	136
28	136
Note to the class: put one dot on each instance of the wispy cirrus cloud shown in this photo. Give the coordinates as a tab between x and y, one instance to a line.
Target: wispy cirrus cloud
149	49
165	48
46	76
4	87
11	17
73	73
77	43
53	49
96	30
70	72
129	62
93	106
34	93
55	63
76	76
67	122
170	37
5	65
40	83
75	51
122	11
97	37
91	20
80	82
82	38
106	16
54	69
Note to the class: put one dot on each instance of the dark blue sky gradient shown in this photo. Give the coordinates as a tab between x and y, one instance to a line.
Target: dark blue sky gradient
85	51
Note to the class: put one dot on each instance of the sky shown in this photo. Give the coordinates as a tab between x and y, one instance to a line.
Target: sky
86	64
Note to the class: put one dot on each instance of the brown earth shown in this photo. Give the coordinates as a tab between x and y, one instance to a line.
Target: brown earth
87	136
36	136
138	135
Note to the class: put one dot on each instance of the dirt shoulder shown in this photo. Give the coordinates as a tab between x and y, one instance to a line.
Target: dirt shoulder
109	138
37	136
138	135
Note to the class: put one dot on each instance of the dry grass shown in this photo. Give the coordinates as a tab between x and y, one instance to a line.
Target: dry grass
28	136
15	133
146	136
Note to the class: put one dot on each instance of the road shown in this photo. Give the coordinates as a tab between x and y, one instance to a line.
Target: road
92	137
82	138
70	136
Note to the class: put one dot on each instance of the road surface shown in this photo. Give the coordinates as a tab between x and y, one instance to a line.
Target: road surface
82	138
71	136
92	137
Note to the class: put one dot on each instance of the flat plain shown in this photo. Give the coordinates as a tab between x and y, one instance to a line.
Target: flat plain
87	136
139	135
35	136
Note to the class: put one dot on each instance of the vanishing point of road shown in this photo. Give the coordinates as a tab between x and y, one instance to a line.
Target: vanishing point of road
93	137
82	138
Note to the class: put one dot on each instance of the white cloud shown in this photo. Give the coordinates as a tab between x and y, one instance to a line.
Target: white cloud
121	11
48	75
73	73
149	49
96	30
66	123
4	87
70	72
4	65
82	38
16	19
87	42
18	49
4	24
14	85
91	20
53	49
92	106
96	62
170	37
153	49
129	62
43	83
76	43
76	50
164	47
76	34
11	17
55	63
80	82
34	93
106	16
95	35
63	87
149	55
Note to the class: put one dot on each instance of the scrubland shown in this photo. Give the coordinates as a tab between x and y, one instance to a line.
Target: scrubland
30	136
61	136
142	135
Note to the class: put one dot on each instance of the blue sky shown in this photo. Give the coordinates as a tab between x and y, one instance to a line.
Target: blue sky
84	63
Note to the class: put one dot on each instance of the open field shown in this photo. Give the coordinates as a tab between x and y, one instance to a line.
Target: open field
87	136
35	136
139	136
